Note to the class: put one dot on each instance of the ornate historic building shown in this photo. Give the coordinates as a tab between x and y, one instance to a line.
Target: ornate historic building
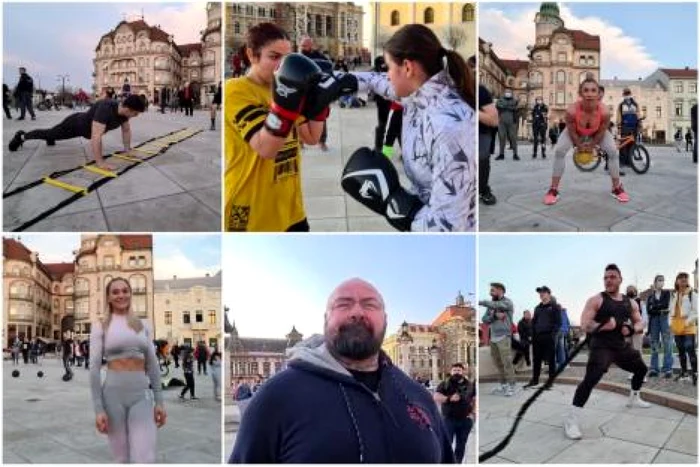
188	310
336	28
557	61
454	23
682	86
450	338
39	295
255	357
150	59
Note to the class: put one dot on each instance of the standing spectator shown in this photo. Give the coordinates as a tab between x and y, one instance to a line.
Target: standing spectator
507	124
553	135
546	325
175	352
525	333
85	347
215	105
456	395
25	350
6	97
694	127
34	351
188	371
658	306
215	368
242	396
488	126
24	93
163	99
499	317
201	354
188	99
684	318
688	140
16	349
678	139
126	88
562	342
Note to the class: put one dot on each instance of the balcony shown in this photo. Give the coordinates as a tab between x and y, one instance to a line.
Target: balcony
15	317
209	61
22	296
17	274
201	326
81	293
82	269
139	290
108	267
162	66
81	316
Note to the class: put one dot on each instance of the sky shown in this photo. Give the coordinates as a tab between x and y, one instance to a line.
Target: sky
75	29
175	254
274	282
636	38
572	266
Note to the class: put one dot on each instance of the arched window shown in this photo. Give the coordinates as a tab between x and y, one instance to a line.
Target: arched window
561	76
395	18
236	27
429	16
468	13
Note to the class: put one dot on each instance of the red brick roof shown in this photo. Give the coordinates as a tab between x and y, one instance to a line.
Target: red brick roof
514	65
680	73
136	242
581	39
154	32
452	312
187	49
413	327
58	270
12	249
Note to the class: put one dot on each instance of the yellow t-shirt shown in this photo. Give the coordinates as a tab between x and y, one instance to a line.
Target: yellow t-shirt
261	194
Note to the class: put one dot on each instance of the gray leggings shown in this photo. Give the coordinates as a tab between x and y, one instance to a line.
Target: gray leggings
132	428
564	144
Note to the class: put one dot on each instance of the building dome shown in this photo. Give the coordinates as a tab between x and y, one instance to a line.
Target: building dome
549	9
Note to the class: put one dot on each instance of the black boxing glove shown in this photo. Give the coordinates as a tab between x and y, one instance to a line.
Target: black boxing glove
371	179
329	88
295	76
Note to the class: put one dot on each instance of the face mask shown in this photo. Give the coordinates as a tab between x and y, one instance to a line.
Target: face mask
508	95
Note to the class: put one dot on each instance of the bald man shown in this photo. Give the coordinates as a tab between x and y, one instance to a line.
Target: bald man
341	399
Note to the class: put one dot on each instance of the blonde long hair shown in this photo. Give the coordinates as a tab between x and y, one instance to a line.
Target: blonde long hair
132	321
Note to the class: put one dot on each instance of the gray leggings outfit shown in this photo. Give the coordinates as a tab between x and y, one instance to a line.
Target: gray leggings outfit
564	144
129	405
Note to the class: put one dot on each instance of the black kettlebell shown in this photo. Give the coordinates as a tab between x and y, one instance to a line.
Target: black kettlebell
15	373
40	374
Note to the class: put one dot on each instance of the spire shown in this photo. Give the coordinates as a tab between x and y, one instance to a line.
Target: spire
460	298
293	337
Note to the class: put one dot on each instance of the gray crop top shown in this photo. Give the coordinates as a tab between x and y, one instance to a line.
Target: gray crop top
121	342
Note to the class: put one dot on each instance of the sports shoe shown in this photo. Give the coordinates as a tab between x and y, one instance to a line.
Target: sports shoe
51	142
571	428
510	390
530	384
515	157
499	390
551	197
619	194
487	198
653	374
17	141
636	401
668	375
500	158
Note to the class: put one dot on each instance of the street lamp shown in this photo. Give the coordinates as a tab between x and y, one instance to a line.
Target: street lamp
63	79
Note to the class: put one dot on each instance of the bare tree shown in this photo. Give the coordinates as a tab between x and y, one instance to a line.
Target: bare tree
454	36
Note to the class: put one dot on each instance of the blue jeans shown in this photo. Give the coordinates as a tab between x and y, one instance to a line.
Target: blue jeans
458	432
560	351
660	339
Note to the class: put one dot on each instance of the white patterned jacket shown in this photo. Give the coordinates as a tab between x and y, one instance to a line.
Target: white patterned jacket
438	150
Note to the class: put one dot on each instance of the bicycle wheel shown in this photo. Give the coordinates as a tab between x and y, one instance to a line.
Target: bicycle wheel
587	162
640	160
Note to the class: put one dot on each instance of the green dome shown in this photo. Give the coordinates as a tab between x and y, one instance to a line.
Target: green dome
549	9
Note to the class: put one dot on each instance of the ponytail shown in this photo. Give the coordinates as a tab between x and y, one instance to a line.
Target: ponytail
463	79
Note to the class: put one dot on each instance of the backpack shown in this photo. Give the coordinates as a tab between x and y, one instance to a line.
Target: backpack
628	112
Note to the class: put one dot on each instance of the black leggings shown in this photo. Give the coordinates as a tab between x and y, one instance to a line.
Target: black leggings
189	379
395	126
67	129
599	360
686	351
539	133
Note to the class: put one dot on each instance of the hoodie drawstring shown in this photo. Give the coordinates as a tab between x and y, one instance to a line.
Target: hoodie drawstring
354	422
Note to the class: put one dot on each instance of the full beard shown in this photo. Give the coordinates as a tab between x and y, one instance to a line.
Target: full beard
354	341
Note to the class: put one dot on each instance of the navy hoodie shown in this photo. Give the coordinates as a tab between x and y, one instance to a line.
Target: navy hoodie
316	412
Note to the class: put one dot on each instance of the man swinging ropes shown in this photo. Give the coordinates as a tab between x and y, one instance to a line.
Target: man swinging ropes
103	116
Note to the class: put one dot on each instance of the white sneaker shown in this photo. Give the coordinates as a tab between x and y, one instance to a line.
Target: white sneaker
510	390
499	390
636	401
571	428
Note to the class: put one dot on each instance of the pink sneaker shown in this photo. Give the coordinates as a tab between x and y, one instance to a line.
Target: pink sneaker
551	197
620	194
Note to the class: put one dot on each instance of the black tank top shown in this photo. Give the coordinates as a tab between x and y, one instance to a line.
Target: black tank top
621	311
